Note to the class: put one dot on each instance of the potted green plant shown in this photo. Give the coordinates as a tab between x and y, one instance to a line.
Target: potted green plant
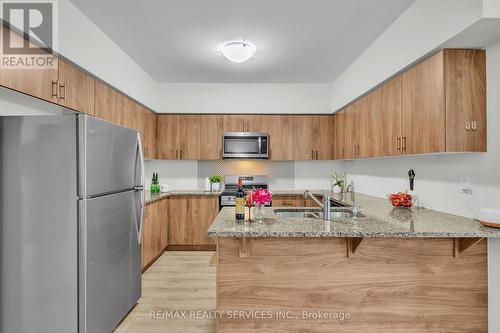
338	183
155	187
215	183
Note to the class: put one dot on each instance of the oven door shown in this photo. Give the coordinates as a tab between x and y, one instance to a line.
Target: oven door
245	145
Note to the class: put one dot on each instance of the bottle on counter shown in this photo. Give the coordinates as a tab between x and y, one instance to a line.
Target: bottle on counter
240	202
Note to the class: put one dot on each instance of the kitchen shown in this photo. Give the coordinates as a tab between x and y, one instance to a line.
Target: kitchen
387	102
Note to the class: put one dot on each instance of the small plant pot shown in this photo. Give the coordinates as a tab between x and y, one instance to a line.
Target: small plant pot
337	189
215	187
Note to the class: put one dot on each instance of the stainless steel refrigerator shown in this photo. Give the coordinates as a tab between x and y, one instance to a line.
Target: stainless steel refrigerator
71	208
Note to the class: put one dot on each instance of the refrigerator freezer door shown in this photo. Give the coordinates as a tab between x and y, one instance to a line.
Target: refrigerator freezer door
108	157
38	224
110	259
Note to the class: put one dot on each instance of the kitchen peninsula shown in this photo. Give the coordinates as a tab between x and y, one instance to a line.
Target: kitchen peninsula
389	270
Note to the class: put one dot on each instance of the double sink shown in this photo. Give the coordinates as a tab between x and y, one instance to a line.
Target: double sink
311	213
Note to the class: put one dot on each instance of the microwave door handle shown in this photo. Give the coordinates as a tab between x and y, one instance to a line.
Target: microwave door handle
260	145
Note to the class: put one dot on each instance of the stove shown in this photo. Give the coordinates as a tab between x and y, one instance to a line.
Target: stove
227	197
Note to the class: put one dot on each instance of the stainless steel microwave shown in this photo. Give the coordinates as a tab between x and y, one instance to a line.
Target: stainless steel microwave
245	145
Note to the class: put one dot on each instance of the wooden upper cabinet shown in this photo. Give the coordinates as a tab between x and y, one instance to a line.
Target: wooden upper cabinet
168	142
279	128
302	140
106	103
75	88
41	82
190	127
423	115
323	137
387	120
150	127
234	123
339	135
351	127
125	110
367	109
465	100
211	137
255	123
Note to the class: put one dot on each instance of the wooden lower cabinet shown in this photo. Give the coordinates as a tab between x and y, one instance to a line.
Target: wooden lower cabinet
294	201
151	234
189	218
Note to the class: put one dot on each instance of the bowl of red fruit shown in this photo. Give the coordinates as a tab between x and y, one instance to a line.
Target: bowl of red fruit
401	199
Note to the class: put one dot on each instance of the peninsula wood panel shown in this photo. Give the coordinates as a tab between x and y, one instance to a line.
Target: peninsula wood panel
189	132
424	116
76	88
211	137
38	82
388	285
465	72
168	144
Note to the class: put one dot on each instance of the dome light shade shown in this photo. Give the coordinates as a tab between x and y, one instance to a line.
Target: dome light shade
238	51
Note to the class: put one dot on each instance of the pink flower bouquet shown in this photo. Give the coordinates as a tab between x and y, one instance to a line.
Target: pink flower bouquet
261	196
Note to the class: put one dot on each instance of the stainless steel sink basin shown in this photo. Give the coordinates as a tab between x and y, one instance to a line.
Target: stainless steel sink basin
337	213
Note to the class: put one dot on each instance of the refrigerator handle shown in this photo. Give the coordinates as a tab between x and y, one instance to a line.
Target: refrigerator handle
141	187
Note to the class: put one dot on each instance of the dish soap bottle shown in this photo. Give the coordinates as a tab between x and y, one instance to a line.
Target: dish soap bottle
240	203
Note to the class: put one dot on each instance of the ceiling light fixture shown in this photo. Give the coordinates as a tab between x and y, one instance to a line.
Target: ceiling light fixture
238	51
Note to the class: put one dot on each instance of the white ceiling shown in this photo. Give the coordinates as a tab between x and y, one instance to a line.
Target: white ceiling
307	41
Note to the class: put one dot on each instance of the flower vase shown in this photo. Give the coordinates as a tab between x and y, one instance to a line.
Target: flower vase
337	189
259	213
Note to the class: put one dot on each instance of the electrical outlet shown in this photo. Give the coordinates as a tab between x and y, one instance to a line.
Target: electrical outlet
465	186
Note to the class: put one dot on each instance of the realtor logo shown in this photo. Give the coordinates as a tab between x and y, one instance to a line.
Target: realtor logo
29	34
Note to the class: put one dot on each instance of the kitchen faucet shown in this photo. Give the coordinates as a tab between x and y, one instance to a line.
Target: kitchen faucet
356	210
326	205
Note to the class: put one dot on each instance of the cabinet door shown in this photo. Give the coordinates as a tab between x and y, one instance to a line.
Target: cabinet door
424	107
302	137
207	208
41	82
234	123
189	137
163	223
125	110
254	123
180	215
168	137
339	135
211	137
279	129
150	245
366	108
150	133
76	88
387	120
465	100
323	138
106	103
350	132
289	201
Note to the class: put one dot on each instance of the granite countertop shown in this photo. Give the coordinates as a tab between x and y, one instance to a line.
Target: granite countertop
151	197
380	220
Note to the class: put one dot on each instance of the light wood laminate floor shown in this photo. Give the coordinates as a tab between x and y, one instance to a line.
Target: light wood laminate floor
177	281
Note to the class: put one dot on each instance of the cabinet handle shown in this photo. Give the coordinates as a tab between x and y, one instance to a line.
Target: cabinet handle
317	155
473	125
312	154
54	89
62	92
146	151
404	144
181	153
398	144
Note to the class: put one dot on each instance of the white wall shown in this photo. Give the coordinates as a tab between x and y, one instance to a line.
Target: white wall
420	29
81	41
244	98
